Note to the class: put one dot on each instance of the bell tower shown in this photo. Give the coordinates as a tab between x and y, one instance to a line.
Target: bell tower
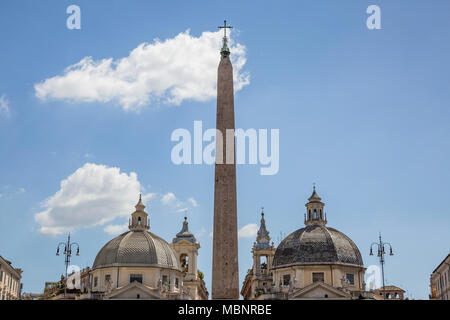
263	251
259	279
186	246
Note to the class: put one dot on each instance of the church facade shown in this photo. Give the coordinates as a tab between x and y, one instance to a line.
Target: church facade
314	262
139	264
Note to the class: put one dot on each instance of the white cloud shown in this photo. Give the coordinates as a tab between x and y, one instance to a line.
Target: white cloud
200	233
93	195
148	196
10	193
169	199
211	234
170	71
4	106
248	231
116	229
193	202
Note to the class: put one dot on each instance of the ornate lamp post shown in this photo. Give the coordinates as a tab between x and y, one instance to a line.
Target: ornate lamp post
67	254
381	252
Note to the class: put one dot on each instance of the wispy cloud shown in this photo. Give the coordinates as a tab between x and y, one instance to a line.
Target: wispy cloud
169	199
4	106
9	193
200	233
193	202
116	229
169	71
148	196
248	231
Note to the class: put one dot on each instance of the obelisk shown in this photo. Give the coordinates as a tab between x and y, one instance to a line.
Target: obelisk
225	276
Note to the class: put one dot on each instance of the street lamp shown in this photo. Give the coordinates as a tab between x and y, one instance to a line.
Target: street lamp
67	253
381	252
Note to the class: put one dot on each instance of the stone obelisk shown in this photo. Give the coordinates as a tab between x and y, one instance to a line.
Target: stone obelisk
225	276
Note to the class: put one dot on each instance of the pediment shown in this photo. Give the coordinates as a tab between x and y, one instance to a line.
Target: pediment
319	290
134	291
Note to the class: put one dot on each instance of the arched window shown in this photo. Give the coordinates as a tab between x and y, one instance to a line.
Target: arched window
263	260
263	264
286	279
184	261
139	221
315	214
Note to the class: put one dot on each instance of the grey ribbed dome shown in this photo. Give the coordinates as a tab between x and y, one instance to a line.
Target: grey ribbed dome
137	249
317	244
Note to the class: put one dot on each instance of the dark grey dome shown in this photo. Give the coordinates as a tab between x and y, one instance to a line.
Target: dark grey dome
317	244
137	249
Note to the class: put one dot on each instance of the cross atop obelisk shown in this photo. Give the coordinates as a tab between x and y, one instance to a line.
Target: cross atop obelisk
225	51
225	27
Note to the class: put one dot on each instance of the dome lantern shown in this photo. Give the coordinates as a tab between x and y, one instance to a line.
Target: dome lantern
314	210
139	219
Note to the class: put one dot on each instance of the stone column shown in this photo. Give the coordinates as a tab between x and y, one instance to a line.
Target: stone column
225	276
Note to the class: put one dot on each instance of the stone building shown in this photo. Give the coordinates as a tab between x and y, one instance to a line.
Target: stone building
389	293
10	287
440	281
314	262
139	264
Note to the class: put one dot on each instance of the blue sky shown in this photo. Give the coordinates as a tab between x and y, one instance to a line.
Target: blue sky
362	113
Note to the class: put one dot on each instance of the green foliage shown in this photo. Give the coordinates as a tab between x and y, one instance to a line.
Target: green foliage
259	292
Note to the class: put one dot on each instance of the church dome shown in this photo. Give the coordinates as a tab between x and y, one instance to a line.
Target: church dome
317	244
137	247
